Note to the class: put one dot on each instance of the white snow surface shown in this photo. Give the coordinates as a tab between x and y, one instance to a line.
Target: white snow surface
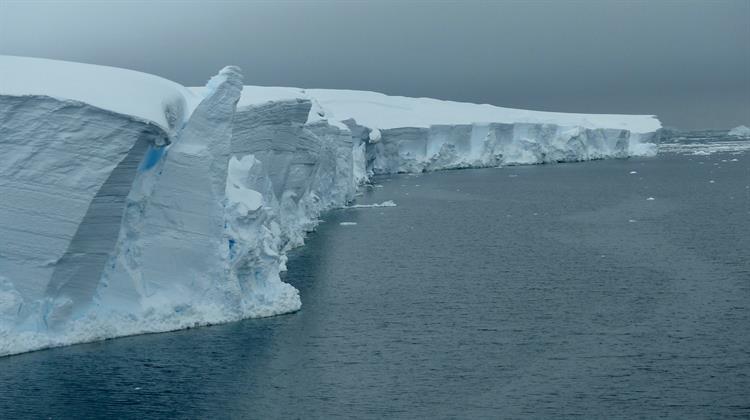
176	207
381	111
141	95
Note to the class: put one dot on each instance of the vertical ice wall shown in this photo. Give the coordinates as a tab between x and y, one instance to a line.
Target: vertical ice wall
423	134
284	172
173	246
417	149
65	169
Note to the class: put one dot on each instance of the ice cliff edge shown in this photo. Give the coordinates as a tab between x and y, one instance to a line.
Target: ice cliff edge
131	204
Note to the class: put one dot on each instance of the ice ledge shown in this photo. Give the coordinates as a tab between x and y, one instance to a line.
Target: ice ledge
143	96
377	110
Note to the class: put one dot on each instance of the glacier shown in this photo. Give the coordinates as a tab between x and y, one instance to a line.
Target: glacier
131	204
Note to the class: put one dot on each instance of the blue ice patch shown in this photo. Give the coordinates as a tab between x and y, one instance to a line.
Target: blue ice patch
232	251
153	156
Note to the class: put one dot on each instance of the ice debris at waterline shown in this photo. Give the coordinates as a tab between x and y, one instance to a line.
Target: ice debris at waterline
131	204
388	203
737	146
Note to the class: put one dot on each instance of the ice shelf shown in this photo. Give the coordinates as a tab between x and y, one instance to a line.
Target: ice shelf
131	204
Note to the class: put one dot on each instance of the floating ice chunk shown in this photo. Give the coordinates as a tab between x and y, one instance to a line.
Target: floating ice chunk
650	199
711	181
388	203
740	131
632	221
348	223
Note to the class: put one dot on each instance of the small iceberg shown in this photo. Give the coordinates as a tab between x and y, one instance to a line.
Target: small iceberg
739	131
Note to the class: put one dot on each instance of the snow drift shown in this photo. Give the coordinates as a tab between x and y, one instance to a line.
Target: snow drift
131	204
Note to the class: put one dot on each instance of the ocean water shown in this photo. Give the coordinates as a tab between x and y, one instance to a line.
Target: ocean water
604	289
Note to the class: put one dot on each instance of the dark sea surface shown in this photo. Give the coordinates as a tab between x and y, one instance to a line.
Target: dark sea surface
531	291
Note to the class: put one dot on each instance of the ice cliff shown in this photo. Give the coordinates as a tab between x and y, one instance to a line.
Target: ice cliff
131	204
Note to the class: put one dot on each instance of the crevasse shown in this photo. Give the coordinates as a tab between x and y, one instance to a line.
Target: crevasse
130	204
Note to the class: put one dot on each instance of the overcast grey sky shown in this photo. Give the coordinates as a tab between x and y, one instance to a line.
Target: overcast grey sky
686	61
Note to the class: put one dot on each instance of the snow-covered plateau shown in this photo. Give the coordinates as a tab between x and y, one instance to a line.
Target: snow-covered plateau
131	204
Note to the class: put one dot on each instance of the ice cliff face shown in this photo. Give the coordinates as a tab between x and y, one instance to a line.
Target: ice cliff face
423	134
102	235
173	244
65	171
413	149
149	207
